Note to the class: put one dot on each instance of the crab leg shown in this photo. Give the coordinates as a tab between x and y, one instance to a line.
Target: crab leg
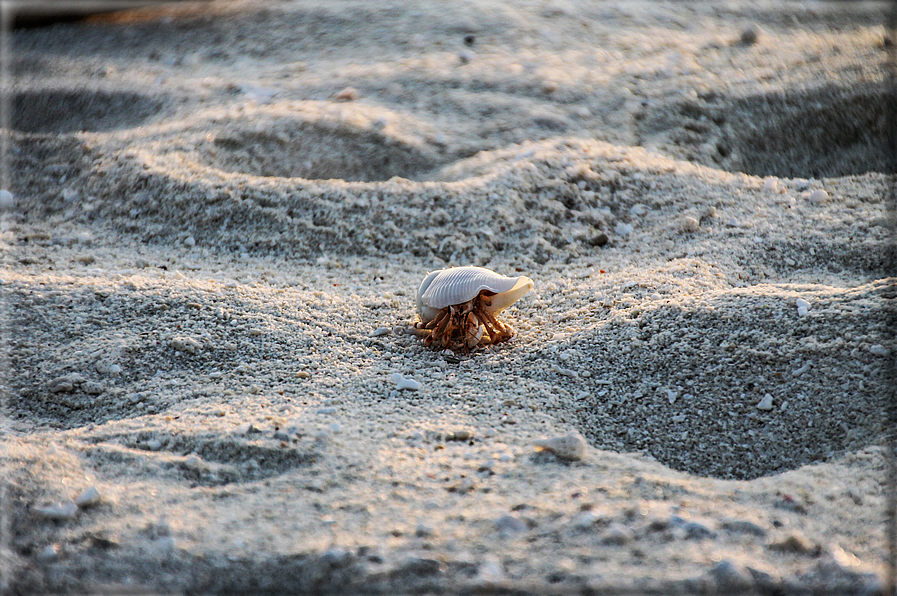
436	321
433	322
497	332
443	319
451	328
473	330
465	329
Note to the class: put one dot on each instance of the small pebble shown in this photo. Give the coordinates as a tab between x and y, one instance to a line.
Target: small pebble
459	435
731	578
490	572
466	56
7	200
380	331
690	224
93	388
48	553
585	520
771	185
616	534
88	498
740	526
61	385
798	372
750	35
402	383
465	486
186	344
418	566
571	447
154	444
564	371
599	239
62	511
818	196
696	531
794	542
347	94
623	229
260	94
879	350
802	307
508	525
765	403
190	241
672	396
691	529
166	544
335	556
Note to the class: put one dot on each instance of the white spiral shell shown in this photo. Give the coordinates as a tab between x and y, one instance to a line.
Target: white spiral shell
457	285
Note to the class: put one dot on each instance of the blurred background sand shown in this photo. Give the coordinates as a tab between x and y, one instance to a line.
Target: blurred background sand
217	217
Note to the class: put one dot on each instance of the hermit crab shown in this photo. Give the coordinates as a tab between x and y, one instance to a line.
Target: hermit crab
458	306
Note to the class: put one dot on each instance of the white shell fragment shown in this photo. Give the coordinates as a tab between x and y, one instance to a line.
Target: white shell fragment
448	287
818	196
765	403
803	307
623	229
403	383
571	447
7	200
61	511
48	553
88	498
691	224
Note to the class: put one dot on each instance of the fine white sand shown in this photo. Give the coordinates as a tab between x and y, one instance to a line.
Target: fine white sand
219	216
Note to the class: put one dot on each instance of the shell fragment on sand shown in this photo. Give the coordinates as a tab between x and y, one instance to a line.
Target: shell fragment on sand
62	511
571	447
403	383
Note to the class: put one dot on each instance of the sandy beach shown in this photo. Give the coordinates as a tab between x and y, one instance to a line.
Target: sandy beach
214	222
